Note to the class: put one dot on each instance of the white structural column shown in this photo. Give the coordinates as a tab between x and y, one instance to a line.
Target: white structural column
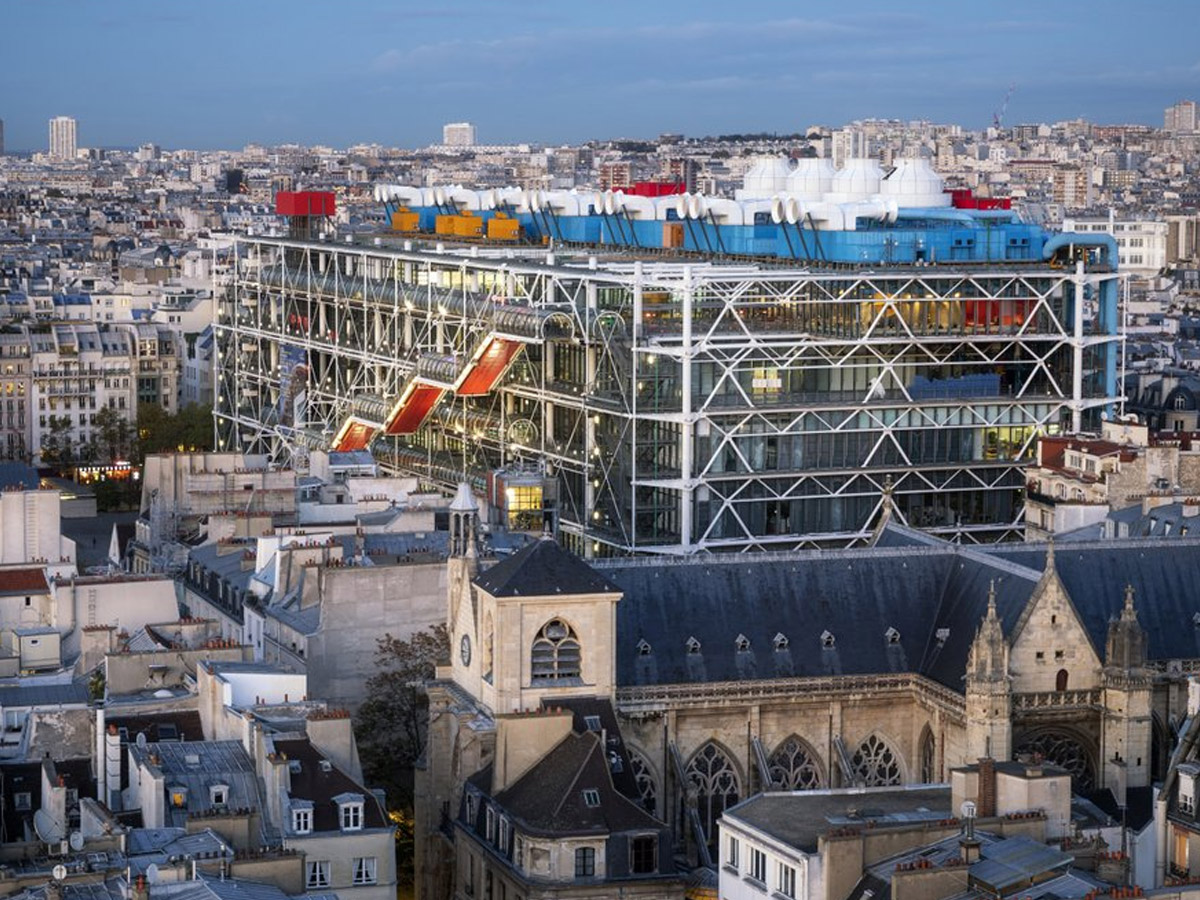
686	424
1078	283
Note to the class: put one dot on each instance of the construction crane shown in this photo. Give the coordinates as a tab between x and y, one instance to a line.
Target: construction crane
998	115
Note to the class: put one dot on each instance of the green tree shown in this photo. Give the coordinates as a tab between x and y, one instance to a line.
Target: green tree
161	432
57	447
391	724
113	435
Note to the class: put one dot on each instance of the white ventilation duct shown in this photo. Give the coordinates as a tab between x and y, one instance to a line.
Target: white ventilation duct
499	197
881	209
752	208
464	198
726	212
682	204
566	203
663	205
640	208
858	180
532	200
812	179
914	184
697	206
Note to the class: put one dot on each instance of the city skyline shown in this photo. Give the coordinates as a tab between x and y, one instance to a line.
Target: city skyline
541	73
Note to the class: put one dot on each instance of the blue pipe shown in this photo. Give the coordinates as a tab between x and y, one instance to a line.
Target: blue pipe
937	214
1104	242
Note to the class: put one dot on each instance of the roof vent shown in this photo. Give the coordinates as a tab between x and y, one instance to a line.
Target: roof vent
693	645
892	636
781	641
326	766
827	640
742	643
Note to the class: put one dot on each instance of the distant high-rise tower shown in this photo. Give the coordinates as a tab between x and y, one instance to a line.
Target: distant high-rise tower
458	134
62	137
1180	118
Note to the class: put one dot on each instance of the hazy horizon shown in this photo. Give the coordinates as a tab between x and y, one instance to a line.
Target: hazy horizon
223	75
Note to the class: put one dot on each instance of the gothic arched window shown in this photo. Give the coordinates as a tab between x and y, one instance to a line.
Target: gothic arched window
794	766
1064	750
555	652
643	777
928	757
875	763
712	776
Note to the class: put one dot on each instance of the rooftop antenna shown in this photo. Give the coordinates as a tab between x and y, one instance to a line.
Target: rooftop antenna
47	828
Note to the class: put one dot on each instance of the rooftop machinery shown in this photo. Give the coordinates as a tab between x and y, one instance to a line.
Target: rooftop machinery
662	399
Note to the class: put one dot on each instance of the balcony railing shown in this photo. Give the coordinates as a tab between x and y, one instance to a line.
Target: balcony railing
1085	699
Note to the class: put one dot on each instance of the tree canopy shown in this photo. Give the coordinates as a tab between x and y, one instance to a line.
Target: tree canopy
161	432
391	724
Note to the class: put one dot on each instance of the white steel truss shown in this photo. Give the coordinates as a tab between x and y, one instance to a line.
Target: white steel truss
680	408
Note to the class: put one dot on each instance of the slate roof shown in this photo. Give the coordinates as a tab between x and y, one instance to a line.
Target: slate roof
23	695
320	787
1164	575
934	597
783	604
587	711
198	766
548	799
540	569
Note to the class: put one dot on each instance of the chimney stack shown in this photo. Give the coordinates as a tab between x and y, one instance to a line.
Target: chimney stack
987	787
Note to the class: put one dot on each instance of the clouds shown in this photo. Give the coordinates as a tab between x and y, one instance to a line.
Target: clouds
543	70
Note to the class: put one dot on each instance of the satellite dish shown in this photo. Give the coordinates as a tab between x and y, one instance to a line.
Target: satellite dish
76	841
59	872
152	875
46	827
141	740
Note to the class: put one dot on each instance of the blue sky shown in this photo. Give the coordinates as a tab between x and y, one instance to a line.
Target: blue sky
223	73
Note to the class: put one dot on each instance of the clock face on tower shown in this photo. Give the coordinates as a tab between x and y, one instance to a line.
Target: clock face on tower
464	649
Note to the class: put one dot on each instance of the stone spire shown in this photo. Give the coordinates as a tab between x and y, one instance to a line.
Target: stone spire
988	658
1126	645
988	688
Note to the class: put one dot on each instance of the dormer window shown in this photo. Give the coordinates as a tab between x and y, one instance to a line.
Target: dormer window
693	646
350	811
892	636
591	797
179	795
781	641
302	821
742	643
643	648
592	723
218	794
827	640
